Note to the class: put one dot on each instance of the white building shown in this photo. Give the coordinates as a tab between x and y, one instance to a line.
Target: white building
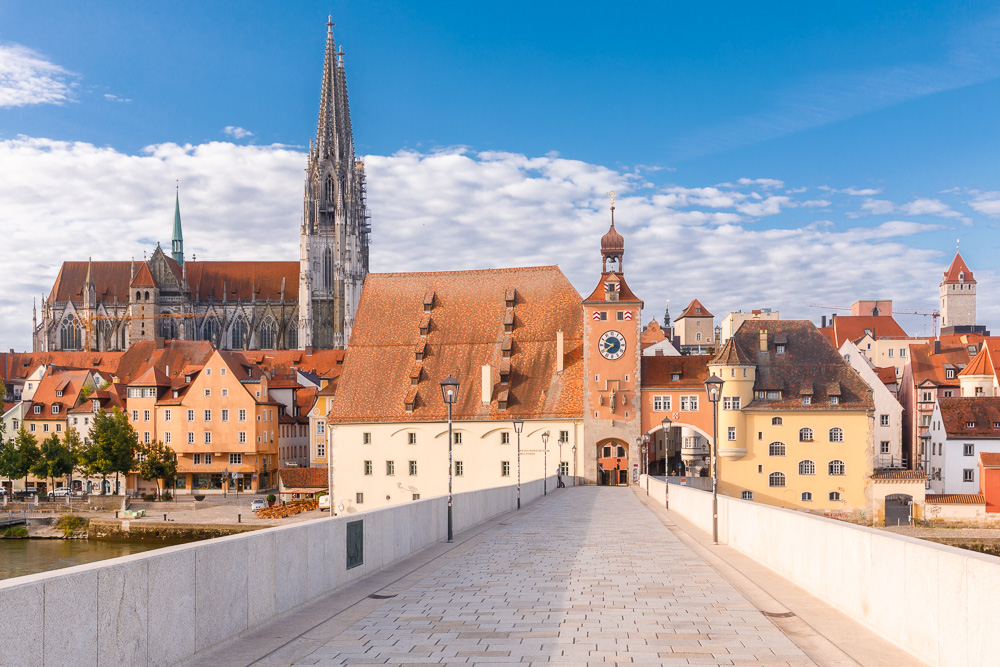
887	432
961	429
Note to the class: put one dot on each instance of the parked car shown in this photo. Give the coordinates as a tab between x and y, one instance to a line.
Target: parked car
257	504
324	503
26	492
62	491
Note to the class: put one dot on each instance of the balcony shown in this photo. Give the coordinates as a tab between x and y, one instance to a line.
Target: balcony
732	453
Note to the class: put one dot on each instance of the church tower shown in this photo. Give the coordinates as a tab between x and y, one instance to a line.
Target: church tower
333	248
958	295
177	243
612	358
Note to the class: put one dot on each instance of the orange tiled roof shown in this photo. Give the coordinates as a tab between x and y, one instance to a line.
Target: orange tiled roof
111	280
983	412
466	332
955	499
958	266
887	375
732	354
20	365
854	327
980	365
175	355
658	372
900	475
304	478
695	309
143	277
990	459
69	382
625	294
326	364
925	365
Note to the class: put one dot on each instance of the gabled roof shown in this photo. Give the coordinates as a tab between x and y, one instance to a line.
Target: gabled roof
467	332
625	293
989	459
887	375
71	381
980	365
854	327
143	277
175	355
153	377
955	499
958	272
652	334
20	365
694	309
658	372
983	412
304	478
926	366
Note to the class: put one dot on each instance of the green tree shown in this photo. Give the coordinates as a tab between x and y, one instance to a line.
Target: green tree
6	453
75	446
25	455
115	444
55	460
157	462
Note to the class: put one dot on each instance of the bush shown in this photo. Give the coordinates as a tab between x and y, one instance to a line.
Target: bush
15	532
271	498
149	497
166	496
70	523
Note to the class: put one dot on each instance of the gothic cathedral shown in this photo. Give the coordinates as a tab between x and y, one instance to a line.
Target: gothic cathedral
108	305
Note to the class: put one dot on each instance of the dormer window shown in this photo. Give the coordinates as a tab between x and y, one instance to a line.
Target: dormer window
38	410
96	405
612	289
950	374
779	349
674	377
961	276
806	400
59	392
834	400
55	408
970	424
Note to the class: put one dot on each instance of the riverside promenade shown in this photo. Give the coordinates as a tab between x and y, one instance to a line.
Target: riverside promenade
585	576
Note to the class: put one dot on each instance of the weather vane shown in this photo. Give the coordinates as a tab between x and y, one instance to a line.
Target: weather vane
611	195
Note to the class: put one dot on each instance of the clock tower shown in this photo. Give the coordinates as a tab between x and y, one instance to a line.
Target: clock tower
612	359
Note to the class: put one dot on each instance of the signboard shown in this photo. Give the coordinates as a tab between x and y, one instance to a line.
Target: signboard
635	473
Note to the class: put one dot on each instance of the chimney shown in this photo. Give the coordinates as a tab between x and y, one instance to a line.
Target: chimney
159	342
559	351
822	320
487	384
167	370
308	350
937	346
763	340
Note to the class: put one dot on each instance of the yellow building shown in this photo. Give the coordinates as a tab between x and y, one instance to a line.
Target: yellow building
795	420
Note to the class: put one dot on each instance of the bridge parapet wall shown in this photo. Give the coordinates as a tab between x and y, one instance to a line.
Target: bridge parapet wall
935	601
164	606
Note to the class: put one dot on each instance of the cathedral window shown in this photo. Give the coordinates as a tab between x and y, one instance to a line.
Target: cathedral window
328	268
147	296
238	333
268	334
69	334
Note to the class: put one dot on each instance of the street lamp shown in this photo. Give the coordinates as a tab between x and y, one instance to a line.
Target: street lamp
574	464
666	423
713	387
449	392
518	427
545	464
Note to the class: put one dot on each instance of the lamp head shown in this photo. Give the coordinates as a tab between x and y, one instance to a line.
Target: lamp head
449	389
518	426
545	438
713	387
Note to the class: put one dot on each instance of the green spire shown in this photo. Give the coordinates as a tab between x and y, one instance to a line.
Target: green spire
178	240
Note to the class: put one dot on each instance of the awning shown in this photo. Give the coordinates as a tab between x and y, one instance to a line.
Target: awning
301	490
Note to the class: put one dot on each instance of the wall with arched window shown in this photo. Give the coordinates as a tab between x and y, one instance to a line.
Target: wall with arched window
837	467
776	449
776	479
807	467
805	435
268	335
836	434
69	334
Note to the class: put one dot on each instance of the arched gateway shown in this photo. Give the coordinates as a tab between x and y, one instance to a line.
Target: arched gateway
612	462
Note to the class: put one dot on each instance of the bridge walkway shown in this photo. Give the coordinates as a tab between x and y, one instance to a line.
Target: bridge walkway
586	576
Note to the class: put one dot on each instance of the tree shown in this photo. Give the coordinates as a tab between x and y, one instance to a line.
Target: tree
7	452
75	446
25	455
157	462
115	444
55	460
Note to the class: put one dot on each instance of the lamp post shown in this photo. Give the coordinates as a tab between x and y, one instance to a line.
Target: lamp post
713	387
449	392
545	464
666	423
574	464
518	427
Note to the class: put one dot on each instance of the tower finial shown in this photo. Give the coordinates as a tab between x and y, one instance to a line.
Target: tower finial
611	195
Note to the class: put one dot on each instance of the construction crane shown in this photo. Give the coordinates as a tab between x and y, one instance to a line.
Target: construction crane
88	322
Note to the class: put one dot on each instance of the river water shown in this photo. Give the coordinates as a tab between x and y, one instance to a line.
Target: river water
21	557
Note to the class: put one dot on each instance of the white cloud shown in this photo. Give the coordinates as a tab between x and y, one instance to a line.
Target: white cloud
930	207
27	78
115	98
861	192
451	209
878	206
766	183
987	203
236	132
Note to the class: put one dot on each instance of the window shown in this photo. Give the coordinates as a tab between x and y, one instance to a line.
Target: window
135	413
208	393
166	438
564	435
31	428
925	420
366	438
773	395
697	337
902	351
236	459
243	415
747	495
505	468
731	433
196	459
564	468
883	420
926	397
776	449
505	438
320	448
208	415
166	415
837	467
320	428
968	475
601	315
890	352
661	403
779	349
807	496
968	449
225	415
805	435
776	421
836	434
416	496
807	467
970	424
950	373
225	392
190	415
731	403
806	400
621	315
411	438
835	495
459	468
208	459
208	437
413	467
689	403
243	437
145	436
359	498
390	467
457	438
190	437
368	467
776	479
208	371
834	400
884	447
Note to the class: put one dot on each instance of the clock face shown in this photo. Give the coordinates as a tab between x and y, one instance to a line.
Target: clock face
612	345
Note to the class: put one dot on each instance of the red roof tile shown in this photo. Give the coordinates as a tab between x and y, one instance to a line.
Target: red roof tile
983	412
243	280
887	375
658	372
695	309
304	478
927	366
957	268
900	475
143	277
71	381
625	294
854	327
955	499
990	459
21	364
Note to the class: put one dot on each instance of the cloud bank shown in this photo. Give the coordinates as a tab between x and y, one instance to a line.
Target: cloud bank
27	78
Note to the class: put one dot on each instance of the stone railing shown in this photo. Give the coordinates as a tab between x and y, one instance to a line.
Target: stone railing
164	606
935	601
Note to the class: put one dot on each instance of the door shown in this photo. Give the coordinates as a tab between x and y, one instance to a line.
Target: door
897	510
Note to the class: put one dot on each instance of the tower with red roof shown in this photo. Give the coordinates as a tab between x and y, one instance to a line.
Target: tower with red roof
958	295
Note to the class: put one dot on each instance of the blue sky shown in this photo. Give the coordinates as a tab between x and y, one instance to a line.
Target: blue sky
816	155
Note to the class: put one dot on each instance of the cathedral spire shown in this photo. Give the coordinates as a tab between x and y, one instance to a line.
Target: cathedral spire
177	244
326	127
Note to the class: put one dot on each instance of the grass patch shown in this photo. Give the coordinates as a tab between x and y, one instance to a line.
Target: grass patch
70	523
15	532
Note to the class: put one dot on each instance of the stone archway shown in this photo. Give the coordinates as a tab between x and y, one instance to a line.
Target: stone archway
612	463
898	510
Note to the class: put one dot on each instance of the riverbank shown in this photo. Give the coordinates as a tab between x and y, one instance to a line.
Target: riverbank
148	530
